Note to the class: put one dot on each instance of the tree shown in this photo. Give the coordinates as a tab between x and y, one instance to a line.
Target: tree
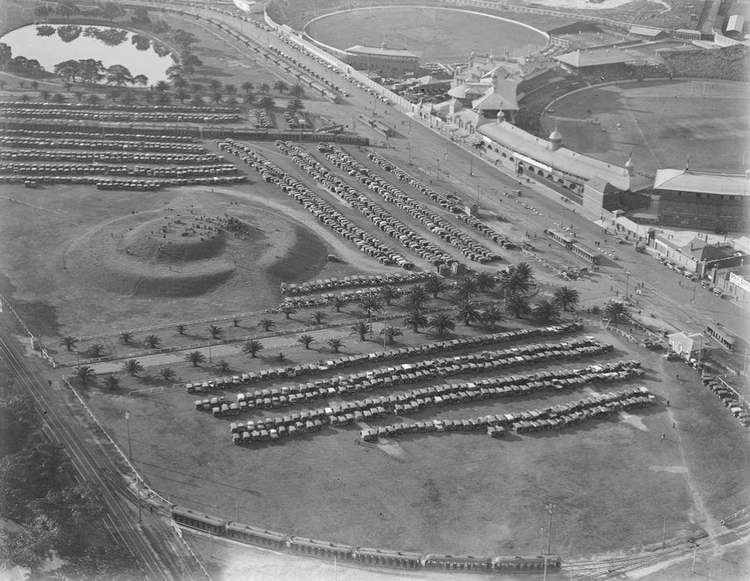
492	316
466	288
566	298
435	285
128	98
545	312
230	89
183	38
297	91
305	340
93	99
114	94
111	381
215	85
280	356
468	313
83	373
415	319
280	86
152	341
387	293
252	348
318	317
182	94
69	341
361	328
224	365
24	98
417	297
248	99
616	312
67	70
57	98
119	75
335	344
215	331
141	80
132	367
337	301
180	329
517	279
265	87
95	351
517	305
111	11
126	337
161	86
30	547
485	282
441	324
167	373
266	324
44	95
195	358
288	309
267	103
236	321
370	303
390	333
294	105
217	97
247	86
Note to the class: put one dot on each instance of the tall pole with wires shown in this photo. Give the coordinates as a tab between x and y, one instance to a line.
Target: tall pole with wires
550	507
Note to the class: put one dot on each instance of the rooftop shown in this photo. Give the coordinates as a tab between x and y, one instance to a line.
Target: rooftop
684	180
591	58
380	51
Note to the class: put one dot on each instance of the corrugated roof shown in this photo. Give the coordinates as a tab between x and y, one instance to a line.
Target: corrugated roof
378	51
590	58
680	180
645	31
563	159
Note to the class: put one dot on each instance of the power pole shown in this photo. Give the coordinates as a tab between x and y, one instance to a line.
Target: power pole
550	507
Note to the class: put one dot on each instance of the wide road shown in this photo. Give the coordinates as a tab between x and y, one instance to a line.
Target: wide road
150	540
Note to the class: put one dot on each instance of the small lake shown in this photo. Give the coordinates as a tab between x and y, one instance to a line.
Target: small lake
50	50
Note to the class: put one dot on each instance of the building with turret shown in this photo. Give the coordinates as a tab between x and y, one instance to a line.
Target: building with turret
384	61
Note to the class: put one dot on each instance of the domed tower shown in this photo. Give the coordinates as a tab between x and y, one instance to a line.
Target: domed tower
500	117
555	139
629	165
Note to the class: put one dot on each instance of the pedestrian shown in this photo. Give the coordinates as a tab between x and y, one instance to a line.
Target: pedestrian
674	425
677	376
667	403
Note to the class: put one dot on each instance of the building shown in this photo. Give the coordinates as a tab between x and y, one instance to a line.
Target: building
699	256
583	59
736	23
647	32
687	345
387	62
702	200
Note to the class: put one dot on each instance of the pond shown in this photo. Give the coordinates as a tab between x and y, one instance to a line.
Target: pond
52	44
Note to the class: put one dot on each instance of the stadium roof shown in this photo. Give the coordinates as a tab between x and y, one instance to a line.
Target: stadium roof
682	180
646	31
592	58
563	159
379	51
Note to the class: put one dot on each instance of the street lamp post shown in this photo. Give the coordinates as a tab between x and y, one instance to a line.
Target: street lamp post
127	423
437	173
627	283
550	507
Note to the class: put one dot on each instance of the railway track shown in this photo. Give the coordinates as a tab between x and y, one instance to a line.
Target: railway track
150	541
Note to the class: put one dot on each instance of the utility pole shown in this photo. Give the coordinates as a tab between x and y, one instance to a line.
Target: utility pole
550	507
664	530
437	173
130	448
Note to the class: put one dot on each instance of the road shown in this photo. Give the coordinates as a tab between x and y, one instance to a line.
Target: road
146	534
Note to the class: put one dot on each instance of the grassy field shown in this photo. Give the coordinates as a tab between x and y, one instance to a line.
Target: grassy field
661	122
433	33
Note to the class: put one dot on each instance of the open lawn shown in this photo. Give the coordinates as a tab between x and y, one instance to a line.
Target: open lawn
662	122
435	34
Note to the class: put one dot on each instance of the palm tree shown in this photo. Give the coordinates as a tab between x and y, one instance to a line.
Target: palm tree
230	89
182	94
83	373
370	303
387	293
615	311
215	85
167	373
441	324
297	90
468	313
152	341
280	356
466	288
44	95
361	328
161	86
545	312
111	382
236	321
248	99
294	105
517	305
492	316
93	99
335	344
69	341
215	331
126	337
247	86
95	351
132	367
180	329
265	87
566	298
390	333
337	301
223	365
195	357
318	317
417	297
266	324
305	340
435	285
415	319
252	348
280	86
517	279
217	98
267	103
288	310
485	282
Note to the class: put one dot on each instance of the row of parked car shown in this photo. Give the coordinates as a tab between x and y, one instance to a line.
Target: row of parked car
540	419
110	142
729	398
314	368
347	296
261	119
101	183
316	205
106	107
54	111
449	202
110	157
117	170
383	219
357	280
426	369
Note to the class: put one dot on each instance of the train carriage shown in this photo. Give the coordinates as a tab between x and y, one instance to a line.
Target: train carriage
198	520
526	564
256	536
381	558
316	548
450	562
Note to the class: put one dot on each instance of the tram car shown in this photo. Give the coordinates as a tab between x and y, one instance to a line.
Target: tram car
259	537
